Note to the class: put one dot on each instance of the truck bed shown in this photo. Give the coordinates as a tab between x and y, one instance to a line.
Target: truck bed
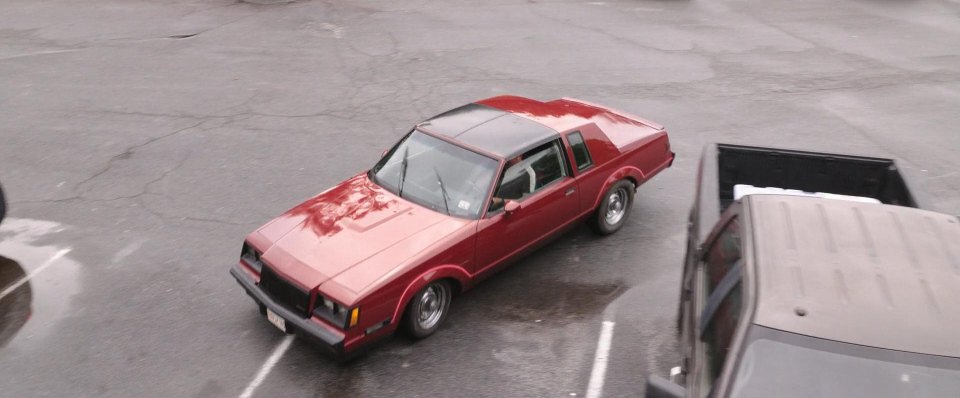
811	172
723	166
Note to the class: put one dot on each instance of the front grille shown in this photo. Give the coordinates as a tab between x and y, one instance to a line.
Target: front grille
284	292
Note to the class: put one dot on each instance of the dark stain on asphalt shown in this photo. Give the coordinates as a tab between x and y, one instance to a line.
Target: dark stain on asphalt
550	301
211	388
15	306
340	385
267	2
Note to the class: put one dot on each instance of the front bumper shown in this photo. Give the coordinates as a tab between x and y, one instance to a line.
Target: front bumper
318	334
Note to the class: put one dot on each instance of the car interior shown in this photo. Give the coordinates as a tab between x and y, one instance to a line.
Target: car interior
528	173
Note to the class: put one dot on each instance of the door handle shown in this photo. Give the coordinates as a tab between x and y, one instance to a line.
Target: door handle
569	191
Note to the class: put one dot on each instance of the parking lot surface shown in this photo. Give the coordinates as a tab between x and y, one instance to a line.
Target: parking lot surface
141	141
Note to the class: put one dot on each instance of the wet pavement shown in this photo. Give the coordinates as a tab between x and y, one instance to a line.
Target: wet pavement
15	299
141	141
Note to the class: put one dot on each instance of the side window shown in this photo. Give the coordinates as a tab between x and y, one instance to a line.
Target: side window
580	152
718	336
723	254
721	258
528	173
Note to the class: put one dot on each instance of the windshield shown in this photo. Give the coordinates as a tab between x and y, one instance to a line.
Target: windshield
789	365
437	174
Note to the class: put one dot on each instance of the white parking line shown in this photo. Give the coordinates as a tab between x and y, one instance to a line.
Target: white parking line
595	387
267	366
56	256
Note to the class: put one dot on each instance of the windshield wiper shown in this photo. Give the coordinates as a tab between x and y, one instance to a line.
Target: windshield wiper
442	190
403	171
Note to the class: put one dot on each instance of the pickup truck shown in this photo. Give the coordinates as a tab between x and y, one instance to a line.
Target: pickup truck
813	274
460	196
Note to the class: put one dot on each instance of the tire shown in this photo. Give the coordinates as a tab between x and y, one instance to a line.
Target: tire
427	310
614	208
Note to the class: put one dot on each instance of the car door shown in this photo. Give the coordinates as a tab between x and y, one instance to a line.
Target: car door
539	180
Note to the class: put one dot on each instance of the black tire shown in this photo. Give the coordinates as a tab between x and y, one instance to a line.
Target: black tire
420	319
613	211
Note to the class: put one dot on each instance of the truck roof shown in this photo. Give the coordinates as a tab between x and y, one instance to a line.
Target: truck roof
870	274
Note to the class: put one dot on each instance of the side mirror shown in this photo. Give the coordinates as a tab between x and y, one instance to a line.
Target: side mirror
658	387
510	207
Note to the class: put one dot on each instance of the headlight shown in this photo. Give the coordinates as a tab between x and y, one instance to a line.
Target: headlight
251	257
336	313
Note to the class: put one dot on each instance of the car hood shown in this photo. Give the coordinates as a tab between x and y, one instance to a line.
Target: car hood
356	226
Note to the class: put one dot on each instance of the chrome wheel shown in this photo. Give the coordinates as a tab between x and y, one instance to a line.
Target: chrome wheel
616	206
431	306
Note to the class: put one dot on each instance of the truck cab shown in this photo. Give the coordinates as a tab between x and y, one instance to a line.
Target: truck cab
798	294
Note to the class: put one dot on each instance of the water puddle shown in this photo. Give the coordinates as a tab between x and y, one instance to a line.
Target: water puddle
553	301
15	304
31	308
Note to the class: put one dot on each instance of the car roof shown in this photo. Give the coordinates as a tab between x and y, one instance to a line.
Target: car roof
870	274
496	131
565	114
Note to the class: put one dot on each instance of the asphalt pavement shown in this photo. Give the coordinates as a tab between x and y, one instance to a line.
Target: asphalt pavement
140	142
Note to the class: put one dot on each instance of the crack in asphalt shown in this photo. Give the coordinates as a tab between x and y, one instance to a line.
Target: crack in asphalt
127	154
146	189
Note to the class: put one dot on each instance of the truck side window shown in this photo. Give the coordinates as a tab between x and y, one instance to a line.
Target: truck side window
718	336
528	173
723	254
580	152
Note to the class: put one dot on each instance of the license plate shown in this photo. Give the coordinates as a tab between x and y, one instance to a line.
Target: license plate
276	320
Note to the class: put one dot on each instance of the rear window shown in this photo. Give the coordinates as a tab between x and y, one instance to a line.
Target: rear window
580	152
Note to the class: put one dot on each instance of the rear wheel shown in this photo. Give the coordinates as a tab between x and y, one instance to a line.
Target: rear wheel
614	208
427	309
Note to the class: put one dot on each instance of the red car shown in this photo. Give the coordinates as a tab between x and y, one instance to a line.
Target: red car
458	198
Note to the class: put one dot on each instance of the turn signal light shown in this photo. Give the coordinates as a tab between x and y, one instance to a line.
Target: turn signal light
354	316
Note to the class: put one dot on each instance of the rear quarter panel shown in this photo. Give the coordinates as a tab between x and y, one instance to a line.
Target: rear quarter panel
639	161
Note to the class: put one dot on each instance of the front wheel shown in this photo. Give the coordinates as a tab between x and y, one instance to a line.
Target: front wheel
427	310
614	208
